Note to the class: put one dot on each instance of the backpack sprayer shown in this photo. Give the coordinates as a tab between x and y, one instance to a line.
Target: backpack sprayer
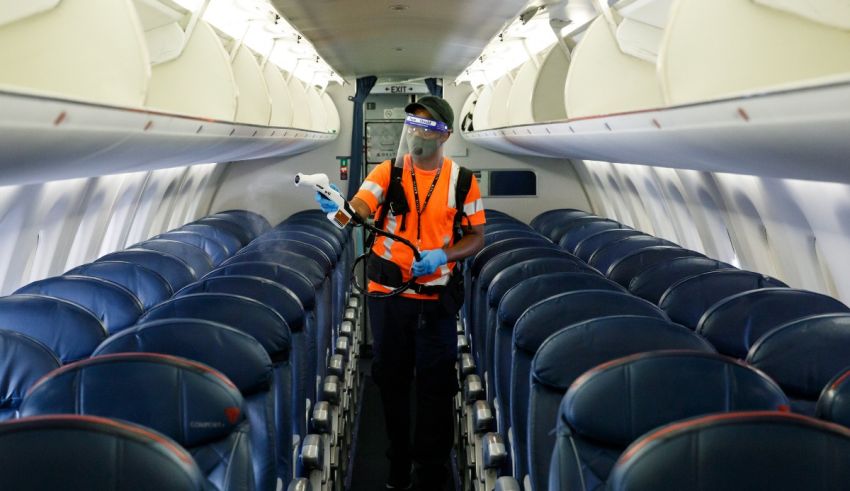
343	216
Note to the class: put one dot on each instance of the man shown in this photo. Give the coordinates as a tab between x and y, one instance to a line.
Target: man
413	333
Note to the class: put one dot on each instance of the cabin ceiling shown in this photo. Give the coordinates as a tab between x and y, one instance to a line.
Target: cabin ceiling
399	38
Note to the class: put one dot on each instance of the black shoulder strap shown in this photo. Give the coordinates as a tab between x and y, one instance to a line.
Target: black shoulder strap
395	198
464	182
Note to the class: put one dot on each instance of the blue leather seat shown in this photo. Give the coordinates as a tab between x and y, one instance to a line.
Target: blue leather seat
194	256
572	351
737	452
115	306
263	324
214	249
507	233
67	329
237	355
239	230
326	242
286	303
520	287
652	282
478	316
588	246
540	321
554	215
316	221
146	284
735	323
803	355
579	230
495	213
252	220
324	257
833	402
81	453
687	300
173	269
624	269
557	231
228	240
23	361
187	401
608	255
546	225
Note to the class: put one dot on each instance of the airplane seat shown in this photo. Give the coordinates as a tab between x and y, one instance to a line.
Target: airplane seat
237	355
192	255
228	240
173	269
146	284
803	355
115	306
81	452
832	404
240	230
605	257
651	283
23	361
588	246
560	261
537	323
553	226
248	220
214	249
578	230
736	452
316	220
612	405
687	300
67	329
561	229
624	269
500	234
737	322
327	242
187	401
541	221
312	249
286	303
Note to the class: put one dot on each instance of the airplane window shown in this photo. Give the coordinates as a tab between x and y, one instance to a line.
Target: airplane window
513	183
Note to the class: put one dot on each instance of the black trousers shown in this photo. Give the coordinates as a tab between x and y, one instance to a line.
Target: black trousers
415	341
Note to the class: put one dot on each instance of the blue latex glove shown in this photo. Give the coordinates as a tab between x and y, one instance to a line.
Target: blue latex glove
431	260
327	205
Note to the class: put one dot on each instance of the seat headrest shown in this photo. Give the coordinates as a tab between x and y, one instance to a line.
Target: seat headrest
539	285
241	313
310	250
687	300
624	269
612	252
833	402
337	241
182	399
308	266
554	230
618	401
110	302
283	275
23	360
493	250
327	242
651	283
734	323
237	355
81	453
175	271
592	243
229	241
198	260
577	231
278	297
235	228
148	285
737	452
573	350
253	220
506	273
315	222
803	355
555	216
213	248
552	314
67	329
504	233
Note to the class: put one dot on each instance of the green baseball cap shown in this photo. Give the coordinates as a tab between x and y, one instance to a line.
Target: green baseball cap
438	107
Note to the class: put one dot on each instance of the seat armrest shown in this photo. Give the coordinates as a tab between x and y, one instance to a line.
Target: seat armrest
506	483
312	452
495	451
482	417
473	389
300	484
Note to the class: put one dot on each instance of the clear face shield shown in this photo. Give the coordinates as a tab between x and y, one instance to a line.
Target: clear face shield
422	141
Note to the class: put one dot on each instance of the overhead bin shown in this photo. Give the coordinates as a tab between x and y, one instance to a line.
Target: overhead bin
481	112
318	116
301	113
255	105
722	48
282	113
522	90
498	116
602	79
547	101
85	50
331	114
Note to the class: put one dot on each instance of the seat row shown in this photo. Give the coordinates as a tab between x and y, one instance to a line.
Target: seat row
549	302
262	315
